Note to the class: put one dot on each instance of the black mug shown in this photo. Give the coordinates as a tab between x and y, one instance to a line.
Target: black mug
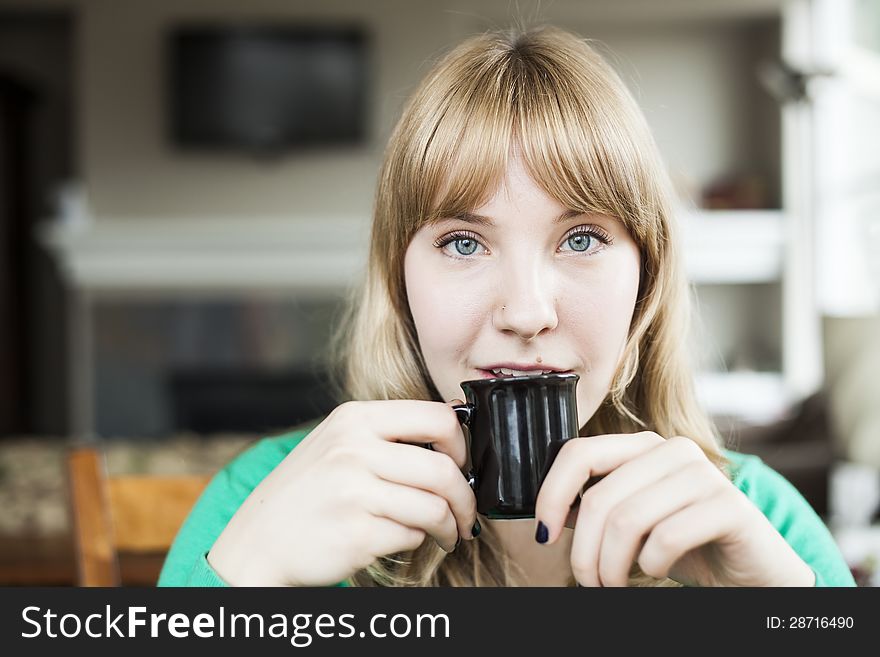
516	426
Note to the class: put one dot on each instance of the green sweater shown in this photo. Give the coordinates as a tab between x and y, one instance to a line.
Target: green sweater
187	564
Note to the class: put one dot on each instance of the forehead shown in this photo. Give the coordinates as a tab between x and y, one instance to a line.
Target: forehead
516	188
504	183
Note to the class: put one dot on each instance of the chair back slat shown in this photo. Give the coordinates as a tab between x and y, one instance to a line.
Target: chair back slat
147	512
96	558
123	514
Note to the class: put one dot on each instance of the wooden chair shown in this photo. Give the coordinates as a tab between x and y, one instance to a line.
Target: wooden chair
124	525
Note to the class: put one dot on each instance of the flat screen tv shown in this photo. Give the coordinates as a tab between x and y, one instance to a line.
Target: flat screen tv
266	89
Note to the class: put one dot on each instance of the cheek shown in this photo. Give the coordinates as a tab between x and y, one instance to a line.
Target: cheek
600	317
602	320
445	319
601	311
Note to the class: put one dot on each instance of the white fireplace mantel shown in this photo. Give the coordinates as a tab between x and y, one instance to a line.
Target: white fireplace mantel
170	258
201	254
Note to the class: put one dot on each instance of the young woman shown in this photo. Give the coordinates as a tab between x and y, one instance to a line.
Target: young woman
522	221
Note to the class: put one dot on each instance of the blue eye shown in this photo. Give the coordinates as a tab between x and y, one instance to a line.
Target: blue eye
588	239
465	242
579	241
465	245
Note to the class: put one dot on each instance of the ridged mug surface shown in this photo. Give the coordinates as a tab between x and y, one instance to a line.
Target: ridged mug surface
517	425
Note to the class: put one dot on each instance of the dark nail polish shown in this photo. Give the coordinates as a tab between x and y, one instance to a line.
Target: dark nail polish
541	534
477	529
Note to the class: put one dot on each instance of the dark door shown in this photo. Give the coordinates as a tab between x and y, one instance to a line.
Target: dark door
16	103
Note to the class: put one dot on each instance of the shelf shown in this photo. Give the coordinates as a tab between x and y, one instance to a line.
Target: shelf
755	397
735	246
286	254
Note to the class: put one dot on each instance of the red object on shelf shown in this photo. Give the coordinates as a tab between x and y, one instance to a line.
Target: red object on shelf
736	193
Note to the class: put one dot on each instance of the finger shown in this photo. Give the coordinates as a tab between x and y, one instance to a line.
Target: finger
578	460
430	471
571	518
690	528
386	536
630	521
414	507
625	481
409	421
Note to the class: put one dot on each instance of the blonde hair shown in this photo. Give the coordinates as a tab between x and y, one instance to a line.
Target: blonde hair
585	142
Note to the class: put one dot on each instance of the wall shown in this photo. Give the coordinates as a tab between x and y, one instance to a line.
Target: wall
130	171
852	361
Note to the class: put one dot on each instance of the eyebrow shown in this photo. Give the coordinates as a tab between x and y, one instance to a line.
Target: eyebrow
480	220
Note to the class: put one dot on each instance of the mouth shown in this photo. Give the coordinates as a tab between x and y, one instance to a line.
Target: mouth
498	372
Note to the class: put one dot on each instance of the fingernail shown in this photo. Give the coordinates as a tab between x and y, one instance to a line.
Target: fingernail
477	529
541	534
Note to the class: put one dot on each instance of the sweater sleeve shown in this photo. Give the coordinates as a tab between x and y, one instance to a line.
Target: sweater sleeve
186	563
793	518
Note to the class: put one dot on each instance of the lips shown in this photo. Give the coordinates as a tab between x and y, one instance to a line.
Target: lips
508	370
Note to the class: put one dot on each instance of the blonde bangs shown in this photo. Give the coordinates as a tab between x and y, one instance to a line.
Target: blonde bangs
560	108
466	156
574	146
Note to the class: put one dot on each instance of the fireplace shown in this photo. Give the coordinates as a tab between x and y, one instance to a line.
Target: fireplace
162	367
202	325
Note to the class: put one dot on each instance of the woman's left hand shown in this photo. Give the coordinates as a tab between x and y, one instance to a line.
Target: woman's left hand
663	504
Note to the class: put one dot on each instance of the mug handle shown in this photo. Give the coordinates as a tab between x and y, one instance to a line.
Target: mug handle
464	412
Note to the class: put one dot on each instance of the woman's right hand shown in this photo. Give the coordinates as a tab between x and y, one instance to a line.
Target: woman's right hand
352	491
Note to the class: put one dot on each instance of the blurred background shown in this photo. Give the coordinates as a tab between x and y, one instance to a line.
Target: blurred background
185	198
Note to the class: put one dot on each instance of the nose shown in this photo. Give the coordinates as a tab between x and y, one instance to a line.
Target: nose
528	302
